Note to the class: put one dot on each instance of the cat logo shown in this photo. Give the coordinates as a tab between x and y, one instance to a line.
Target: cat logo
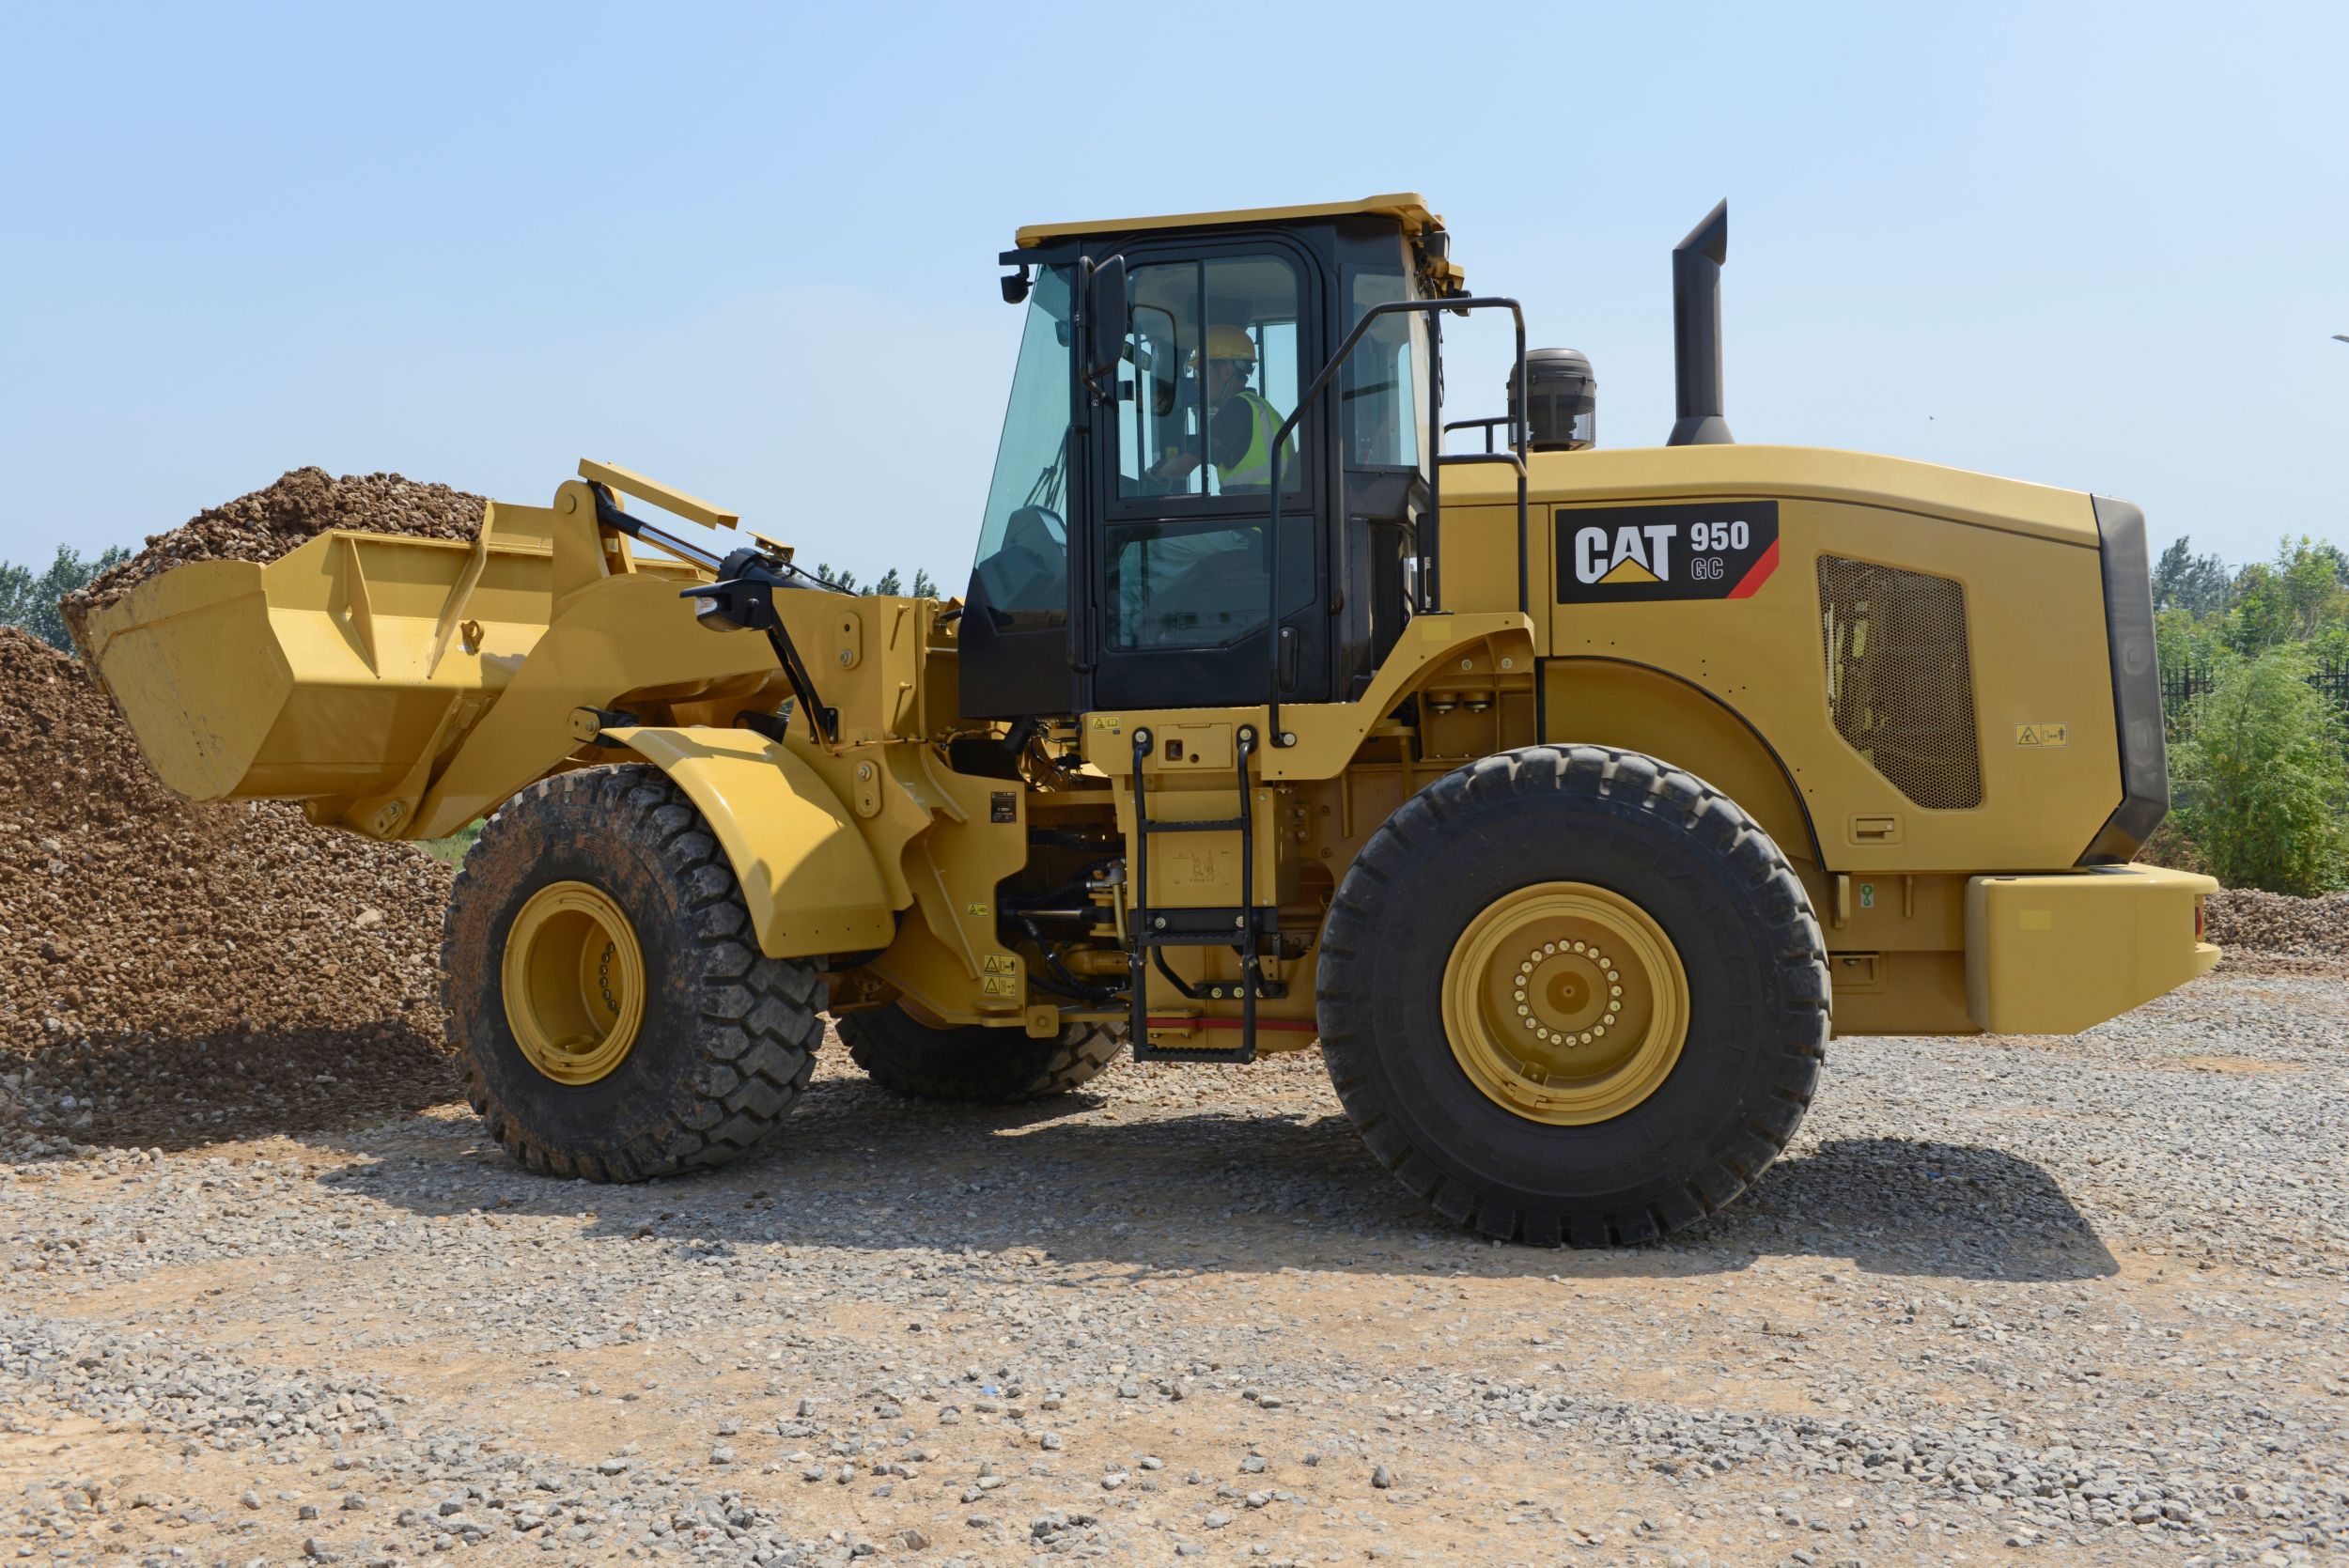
2043	735
1626	557
1714	549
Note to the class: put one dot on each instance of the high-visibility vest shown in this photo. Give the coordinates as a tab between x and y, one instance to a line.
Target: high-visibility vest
1254	466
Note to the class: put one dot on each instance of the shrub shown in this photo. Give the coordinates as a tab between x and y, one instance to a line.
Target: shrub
2265	775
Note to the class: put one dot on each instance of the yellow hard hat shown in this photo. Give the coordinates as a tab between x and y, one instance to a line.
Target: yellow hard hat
1228	343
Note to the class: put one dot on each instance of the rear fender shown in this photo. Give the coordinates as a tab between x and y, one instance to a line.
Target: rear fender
808	878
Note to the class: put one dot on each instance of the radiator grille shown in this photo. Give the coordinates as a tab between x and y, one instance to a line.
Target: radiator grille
1899	682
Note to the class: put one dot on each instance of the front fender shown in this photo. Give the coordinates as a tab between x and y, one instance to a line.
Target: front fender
808	878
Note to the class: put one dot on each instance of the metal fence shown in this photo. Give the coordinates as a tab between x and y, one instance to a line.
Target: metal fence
2181	686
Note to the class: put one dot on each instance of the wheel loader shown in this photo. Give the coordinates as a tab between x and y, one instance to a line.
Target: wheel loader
1570	799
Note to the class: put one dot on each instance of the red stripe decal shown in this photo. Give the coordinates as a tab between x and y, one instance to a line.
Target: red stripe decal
1757	574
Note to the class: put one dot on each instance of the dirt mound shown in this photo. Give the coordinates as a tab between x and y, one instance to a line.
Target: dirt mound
128	916
270	521
2277	932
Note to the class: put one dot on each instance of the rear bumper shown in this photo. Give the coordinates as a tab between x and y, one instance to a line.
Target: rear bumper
2055	954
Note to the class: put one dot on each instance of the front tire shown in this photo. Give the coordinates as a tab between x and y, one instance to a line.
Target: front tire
1573	994
973	1062
605	989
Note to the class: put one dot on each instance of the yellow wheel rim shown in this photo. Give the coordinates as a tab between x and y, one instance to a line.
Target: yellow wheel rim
1566	1003
574	982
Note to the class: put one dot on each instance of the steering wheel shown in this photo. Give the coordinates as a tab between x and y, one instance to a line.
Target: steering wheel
1037	530
1028	571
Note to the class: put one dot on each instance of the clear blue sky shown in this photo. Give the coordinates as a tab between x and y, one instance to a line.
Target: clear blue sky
751	250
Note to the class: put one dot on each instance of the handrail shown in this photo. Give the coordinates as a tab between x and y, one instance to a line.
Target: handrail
1430	538
1483	425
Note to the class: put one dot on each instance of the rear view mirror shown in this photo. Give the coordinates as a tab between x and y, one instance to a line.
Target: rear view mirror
1105	318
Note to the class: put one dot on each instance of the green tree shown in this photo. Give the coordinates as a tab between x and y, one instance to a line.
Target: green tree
842	579
2264	777
2183	641
890	583
2260	617
2289	600
924	586
31	601
2196	584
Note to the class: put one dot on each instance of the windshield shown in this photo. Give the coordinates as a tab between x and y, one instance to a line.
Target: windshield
1022	562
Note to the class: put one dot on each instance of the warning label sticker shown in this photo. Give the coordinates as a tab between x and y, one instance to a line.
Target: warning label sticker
1689	549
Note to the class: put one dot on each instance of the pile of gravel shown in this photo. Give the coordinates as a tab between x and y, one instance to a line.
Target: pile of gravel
2275	931
270	521
141	935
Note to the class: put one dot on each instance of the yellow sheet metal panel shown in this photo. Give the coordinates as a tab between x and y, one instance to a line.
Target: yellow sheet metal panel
948	958
2023	559
622	636
1488	649
1609	701
2055	954
810	882
1907	993
1624	475
1407	207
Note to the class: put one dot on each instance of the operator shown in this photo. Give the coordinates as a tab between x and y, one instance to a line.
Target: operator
1240	424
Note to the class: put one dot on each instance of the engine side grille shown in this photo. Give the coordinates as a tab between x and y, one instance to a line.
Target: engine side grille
1899	681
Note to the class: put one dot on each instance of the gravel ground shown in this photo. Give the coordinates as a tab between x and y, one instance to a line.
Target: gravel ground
2071	1301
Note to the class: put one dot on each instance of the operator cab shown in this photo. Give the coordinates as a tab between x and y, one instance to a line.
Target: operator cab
1125	559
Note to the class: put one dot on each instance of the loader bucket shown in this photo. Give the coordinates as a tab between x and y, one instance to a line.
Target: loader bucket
338	671
326	672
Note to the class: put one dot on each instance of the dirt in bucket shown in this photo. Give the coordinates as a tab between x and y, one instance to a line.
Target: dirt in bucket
280	517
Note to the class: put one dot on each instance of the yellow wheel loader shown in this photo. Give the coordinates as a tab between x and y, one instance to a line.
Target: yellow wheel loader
1569	797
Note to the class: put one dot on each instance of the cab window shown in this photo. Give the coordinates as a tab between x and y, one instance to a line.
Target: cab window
1210	373
1386	378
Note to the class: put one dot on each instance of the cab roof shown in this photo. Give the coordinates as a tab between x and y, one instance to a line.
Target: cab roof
1407	207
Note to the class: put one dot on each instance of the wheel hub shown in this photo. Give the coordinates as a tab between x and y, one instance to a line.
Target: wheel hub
574	982
1566	1002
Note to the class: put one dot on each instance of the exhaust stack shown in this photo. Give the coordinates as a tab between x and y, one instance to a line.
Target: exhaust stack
1697	333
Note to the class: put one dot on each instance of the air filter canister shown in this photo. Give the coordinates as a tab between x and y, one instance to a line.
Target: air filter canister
1561	401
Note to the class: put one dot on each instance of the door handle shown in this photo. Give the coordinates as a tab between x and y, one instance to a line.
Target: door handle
1288	658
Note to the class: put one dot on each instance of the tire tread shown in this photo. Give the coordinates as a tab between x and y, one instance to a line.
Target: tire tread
756	1032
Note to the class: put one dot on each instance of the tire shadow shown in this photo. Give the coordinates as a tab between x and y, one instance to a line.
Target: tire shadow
1188	1194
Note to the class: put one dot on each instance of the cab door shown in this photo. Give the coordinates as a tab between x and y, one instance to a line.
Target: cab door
1218	341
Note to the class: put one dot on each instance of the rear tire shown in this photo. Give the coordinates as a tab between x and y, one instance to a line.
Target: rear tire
605	989
1433	958
971	1062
